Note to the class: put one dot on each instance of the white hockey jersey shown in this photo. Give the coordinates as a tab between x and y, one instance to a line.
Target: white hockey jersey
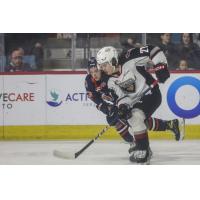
134	79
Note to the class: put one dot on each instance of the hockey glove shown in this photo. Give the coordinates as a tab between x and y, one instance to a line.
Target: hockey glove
103	107
124	111
106	97
112	117
162	72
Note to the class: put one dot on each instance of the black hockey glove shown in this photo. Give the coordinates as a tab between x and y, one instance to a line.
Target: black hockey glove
162	72
124	111
112	117
103	107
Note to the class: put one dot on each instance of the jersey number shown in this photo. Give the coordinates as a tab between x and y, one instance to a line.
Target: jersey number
144	50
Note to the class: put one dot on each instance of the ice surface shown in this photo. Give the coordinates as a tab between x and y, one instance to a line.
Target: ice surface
102	152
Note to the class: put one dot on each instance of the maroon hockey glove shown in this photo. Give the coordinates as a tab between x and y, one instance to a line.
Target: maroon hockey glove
124	112
162	72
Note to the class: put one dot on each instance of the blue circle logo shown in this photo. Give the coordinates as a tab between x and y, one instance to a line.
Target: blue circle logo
186	80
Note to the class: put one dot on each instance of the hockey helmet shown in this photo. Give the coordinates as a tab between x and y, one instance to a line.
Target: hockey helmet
92	62
107	55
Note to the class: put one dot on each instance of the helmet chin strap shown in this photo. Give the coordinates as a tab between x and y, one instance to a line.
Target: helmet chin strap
113	69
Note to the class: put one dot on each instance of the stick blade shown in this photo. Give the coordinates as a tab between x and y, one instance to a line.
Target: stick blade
63	154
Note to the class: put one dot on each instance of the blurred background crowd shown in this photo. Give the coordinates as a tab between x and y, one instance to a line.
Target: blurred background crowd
70	51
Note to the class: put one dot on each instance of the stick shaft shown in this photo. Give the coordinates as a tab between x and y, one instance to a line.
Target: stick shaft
91	141
150	87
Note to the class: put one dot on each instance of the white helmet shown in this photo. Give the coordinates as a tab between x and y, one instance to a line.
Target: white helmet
107	55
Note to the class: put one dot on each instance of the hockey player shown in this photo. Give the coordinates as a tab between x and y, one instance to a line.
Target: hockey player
97	91
129	80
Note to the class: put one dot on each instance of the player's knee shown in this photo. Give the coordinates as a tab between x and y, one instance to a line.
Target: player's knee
137	121
121	126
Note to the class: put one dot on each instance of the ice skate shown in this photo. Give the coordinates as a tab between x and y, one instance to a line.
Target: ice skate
173	126
132	147
141	156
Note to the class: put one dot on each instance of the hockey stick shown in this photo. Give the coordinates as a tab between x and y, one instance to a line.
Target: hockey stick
75	155
68	155
150	87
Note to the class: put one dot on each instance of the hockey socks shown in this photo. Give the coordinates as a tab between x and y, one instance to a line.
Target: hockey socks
155	124
122	129
142	141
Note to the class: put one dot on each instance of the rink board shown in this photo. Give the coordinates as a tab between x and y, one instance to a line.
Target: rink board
55	106
81	132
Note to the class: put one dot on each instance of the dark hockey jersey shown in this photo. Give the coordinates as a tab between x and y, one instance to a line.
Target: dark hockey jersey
95	89
140	54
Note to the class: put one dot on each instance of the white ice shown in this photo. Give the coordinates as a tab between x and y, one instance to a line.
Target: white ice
101	152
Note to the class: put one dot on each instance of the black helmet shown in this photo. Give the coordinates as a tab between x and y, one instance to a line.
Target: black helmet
92	62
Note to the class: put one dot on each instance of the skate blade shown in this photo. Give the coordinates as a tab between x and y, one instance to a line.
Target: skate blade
64	155
145	163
